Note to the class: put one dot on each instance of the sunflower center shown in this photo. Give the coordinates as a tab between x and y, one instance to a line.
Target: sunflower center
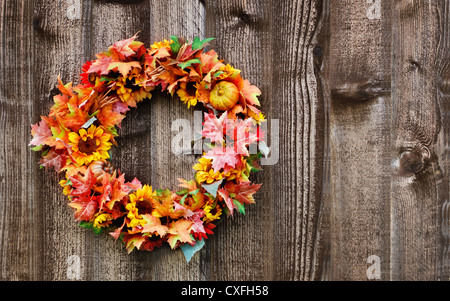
190	89
144	207
130	84
88	147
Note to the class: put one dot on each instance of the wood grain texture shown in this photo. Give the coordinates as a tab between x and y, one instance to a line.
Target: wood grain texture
358	74
59	47
19	252
363	103
279	235
416	240
443	143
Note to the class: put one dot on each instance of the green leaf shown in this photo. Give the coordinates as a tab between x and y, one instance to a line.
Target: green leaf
252	162
104	78
197	44
240	207
175	46
37	148
89	225
189	63
182	192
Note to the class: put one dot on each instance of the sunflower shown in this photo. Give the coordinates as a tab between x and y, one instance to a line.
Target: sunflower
90	145
205	173
162	44
212	212
188	93
132	89
102	220
141	202
226	72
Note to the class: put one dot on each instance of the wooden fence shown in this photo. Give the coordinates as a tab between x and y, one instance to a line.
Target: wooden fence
361	89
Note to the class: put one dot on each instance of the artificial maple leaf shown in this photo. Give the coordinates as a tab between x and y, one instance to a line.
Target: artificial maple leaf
125	48
153	225
120	107
250	93
54	159
228	200
222	157
124	68
116	233
164	205
108	117
189	185
133	241
243	192
213	127
243	133
135	184
86	207
197	223
100	65
41	134
210	62
113	190
83	184
179	231
65	89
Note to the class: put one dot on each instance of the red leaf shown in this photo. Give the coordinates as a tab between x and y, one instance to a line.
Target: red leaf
126	48
86	207
228	201
100	65
41	133
223	157
243	192
54	159
83	185
213	128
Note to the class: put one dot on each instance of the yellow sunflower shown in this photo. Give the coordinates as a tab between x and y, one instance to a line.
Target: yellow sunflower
228	71
90	145
205	173
162	44
188	93
141	202
102	220
212	212
132	89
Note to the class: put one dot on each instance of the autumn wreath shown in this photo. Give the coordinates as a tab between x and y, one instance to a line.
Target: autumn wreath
77	135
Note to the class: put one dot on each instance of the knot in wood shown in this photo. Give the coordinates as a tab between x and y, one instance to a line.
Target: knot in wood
318	51
245	17
411	162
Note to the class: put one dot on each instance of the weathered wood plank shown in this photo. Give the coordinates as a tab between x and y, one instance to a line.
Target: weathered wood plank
416	122
111	22
19	251
358	74
186	19
278	237
59	49
443	143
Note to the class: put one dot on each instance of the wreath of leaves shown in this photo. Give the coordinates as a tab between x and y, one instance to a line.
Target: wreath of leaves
76	137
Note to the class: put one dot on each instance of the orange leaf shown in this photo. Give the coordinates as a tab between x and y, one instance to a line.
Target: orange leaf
180	231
